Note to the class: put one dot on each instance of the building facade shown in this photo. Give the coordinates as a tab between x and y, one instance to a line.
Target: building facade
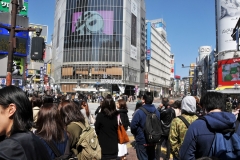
160	60
99	46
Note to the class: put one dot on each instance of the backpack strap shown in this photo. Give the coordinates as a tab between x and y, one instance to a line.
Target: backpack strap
237	125
145	111
80	124
184	121
53	148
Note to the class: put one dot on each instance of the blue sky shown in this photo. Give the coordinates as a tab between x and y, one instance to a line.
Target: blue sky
190	24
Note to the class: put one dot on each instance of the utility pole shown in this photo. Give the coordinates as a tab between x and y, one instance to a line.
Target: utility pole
12	39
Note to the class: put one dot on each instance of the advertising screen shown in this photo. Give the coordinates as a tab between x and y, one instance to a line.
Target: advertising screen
93	22
17	68
5	4
229	71
227	16
22	42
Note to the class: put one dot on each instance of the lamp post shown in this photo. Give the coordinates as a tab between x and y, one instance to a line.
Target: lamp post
199	81
154	79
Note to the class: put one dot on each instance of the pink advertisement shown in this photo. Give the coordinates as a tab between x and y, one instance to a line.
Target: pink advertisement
93	22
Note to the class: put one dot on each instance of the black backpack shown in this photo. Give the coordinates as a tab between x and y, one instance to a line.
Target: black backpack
152	129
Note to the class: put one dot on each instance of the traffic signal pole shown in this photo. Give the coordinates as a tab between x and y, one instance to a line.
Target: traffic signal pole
11	39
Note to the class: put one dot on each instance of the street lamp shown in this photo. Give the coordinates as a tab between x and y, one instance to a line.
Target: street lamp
199	81
154	79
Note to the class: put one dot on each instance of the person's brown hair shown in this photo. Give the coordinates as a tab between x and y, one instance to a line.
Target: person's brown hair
122	104
70	112
84	105
36	101
49	123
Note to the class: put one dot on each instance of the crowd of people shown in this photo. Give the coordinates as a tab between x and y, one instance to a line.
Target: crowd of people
190	128
35	127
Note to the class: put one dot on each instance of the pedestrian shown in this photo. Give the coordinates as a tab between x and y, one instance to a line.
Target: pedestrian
99	108
167	114
143	150
201	133
177	107
16	117
106	128
178	128
36	104
51	129
70	113
86	112
122	111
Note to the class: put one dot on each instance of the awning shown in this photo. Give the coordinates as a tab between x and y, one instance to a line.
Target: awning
227	91
224	87
89	89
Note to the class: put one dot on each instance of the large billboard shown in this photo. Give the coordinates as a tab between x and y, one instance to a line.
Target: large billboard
5	4
93	22
22	42
134	10
229	71
227	16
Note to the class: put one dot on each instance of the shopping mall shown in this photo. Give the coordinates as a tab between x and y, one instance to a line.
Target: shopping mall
99	45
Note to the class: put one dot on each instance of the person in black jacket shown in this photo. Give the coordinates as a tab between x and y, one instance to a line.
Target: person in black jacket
106	128
122	111
167	114
16	119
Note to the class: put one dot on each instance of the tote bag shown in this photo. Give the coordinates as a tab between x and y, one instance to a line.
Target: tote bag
122	134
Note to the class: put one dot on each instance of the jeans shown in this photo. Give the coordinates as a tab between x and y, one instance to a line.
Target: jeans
145	152
158	148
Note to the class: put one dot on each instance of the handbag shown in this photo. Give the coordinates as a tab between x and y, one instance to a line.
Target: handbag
122	134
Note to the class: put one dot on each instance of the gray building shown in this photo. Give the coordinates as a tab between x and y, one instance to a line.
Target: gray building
99	45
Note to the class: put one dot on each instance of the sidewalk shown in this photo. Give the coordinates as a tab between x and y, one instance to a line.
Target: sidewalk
132	152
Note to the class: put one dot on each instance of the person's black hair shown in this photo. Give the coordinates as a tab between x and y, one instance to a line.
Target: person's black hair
138	96
80	96
213	100
148	98
177	104
108	106
23	116
165	101
138	105
47	99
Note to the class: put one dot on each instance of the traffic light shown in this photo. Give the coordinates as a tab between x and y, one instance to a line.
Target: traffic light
37	48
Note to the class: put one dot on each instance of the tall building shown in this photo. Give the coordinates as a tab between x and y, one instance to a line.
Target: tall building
160	60
99	46
227	54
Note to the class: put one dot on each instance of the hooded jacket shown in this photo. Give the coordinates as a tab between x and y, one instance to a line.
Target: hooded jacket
138	123
200	135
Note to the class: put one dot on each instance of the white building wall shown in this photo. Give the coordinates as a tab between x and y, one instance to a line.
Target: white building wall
57	51
160	63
